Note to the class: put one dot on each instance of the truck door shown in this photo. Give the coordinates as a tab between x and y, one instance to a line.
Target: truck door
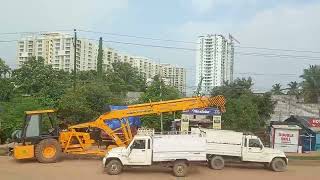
252	150
138	152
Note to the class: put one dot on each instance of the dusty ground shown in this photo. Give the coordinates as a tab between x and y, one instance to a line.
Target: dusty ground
91	169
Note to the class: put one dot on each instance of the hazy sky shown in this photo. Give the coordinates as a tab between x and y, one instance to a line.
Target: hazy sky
285	24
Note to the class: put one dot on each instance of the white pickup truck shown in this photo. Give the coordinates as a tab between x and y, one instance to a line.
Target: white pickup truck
236	146
176	151
204	145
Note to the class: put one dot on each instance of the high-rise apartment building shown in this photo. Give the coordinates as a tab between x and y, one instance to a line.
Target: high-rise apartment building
174	75
57	49
214	63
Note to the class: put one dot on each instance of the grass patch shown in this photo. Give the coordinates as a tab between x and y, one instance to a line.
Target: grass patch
3	152
304	157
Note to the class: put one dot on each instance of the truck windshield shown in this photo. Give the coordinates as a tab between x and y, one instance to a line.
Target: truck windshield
254	143
139	144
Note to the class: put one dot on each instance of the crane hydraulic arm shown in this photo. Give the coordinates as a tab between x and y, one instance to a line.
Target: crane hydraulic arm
138	110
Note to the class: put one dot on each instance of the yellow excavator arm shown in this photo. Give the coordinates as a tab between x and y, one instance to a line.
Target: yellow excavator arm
136	110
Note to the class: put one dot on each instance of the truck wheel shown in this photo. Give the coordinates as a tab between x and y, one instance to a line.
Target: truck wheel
180	168
114	167
217	163
48	151
278	165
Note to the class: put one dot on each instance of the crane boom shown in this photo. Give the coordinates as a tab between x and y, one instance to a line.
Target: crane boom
140	110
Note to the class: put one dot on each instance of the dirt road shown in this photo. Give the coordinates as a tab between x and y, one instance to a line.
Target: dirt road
91	169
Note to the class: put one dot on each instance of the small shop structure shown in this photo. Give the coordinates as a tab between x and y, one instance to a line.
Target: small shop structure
309	133
205	118
285	137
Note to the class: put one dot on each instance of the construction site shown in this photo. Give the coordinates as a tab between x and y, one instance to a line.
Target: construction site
142	153
198	89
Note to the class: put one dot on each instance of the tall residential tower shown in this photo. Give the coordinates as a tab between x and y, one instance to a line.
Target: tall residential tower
214	63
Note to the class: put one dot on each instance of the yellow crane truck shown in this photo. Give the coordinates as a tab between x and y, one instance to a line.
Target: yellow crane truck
42	139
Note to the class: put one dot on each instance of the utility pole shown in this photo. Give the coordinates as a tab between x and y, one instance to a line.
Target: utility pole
100	60
75	60
161	115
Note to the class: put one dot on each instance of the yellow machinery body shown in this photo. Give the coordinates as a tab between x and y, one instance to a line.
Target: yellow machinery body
77	140
23	151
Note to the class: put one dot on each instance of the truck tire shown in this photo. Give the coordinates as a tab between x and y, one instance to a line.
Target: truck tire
278	165
180	168
217	163
48	151
114	167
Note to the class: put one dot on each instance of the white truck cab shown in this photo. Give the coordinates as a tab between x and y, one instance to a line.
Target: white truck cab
231	145
176	151
254	151
138	152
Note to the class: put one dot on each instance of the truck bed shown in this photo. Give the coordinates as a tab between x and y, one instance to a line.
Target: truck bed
172	147
223	142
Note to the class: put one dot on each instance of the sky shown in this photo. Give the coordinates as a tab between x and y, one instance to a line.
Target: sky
276	24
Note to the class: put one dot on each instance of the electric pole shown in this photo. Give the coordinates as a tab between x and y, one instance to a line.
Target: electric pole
75	60
161	115
100	60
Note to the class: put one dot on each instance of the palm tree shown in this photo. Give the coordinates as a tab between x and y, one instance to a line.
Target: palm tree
276	89
293	88
311	83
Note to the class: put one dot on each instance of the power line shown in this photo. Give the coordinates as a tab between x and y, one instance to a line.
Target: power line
189	42
34	32
239	53
149	45
277	49
311	58
146	45
7	41
269	55
160	39
138	37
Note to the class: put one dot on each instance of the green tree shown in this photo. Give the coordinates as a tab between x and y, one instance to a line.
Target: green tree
245	110
158	91
85	77
293	88
276	89
87	102
12	114
4	69
311	84
100	60
123	77
241	114
6	86
6	89
234	89
35	78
